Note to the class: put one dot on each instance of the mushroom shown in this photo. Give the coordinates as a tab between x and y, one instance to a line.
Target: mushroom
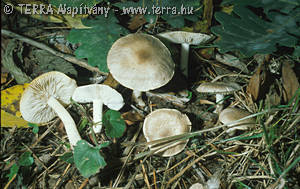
98	94
197	186
46	97
140	62
185	39
229	115
163	123
220	89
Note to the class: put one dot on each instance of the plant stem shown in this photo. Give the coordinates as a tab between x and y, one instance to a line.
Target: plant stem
67	120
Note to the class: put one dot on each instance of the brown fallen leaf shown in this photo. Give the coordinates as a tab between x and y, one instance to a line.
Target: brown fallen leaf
232	61
4	77
136	22
132	117
289	81
257	81
206	53
110	81
63	48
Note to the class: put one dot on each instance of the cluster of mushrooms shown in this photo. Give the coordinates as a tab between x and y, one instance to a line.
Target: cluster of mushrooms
140	62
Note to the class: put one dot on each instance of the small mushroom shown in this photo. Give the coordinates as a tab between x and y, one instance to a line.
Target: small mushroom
197	186
98	94
46	97
163	123
185	39
219	89
229	115
140	62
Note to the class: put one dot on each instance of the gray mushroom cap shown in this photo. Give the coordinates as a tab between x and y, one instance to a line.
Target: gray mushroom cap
140	62
218	87
163	123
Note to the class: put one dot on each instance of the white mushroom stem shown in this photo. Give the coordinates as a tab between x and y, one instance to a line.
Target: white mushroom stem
219	100
137	98
97	115
67	120
185	48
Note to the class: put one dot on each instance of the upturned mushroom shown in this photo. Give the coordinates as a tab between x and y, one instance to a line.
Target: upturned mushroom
219	89
163	123
46	97
98	94
229	115
140	62
185	39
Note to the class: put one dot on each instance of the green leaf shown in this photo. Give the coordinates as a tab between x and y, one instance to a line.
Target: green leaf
104	144
75	3
296	52
170	10
67	157
96	41
35	127
88	159
26	159
278	5
13	171
114	124
249	34
174	20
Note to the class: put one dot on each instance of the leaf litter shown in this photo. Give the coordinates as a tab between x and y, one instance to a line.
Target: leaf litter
266	155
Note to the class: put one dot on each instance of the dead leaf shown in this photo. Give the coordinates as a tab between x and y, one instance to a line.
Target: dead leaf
206	53
75	21
256	82
110	81
10	99
4	77
136	21
63	48
9	120
232	61
289	81
132	117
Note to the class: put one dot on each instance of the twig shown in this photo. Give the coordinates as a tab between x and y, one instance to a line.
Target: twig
67	57
183	171
10	181
84	183
145	175
154	179
60	178
44	134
